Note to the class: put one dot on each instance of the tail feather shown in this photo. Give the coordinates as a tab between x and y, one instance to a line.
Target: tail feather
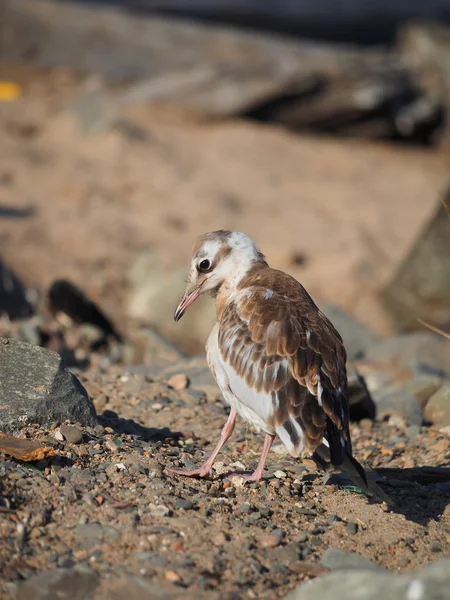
352	468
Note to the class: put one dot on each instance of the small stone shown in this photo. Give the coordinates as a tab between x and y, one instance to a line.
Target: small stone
111	446
245	508
184	504
172	576
238	482
178	382
279	474
59	436
435	546
270	540
73	434
352	527
159	510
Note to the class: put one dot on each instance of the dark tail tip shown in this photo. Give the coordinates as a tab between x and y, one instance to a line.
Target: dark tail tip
352	468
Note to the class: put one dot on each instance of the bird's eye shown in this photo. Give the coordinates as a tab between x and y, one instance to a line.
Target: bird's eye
204	266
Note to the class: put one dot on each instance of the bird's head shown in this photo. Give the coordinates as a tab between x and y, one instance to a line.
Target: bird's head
218	258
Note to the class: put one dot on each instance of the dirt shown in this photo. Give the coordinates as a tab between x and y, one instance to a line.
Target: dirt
109	502
337	214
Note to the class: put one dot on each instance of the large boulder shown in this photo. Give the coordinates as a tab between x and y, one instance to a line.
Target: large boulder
36	387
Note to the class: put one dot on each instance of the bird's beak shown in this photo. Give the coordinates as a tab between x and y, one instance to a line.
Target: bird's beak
185	303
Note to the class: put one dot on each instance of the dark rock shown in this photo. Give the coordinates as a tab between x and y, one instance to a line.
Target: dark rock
13	299
35	387
73	435
356	336
65	297
420	287
338	560
77	583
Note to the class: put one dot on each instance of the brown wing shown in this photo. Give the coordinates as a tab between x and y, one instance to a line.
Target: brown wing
282	345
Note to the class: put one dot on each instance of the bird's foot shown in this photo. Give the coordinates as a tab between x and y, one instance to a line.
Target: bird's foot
204	471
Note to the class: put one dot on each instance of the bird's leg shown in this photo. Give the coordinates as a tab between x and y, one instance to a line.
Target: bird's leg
258	473
206	469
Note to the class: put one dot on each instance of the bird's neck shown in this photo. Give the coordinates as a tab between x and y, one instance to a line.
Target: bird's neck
232	286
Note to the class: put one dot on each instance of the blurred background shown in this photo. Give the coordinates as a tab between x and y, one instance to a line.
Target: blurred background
127	128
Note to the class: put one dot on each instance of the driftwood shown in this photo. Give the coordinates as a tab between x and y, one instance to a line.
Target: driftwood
215	72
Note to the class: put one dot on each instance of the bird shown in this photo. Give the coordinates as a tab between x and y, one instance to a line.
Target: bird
279	362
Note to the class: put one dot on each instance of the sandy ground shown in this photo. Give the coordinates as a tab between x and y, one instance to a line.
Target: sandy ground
339	215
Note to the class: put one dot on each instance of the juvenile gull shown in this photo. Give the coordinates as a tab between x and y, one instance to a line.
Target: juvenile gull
278	361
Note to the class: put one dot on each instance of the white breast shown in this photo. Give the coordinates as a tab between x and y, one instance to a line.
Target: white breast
254	407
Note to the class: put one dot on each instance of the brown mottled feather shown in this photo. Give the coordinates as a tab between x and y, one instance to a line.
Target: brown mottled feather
283	327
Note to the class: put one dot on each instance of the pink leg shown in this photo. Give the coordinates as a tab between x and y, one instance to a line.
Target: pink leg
206	469
258	473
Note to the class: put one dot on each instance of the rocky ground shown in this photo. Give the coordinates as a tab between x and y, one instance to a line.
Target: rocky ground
87	508
100	509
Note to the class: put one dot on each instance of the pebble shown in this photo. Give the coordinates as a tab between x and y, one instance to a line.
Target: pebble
59	436
279	474
238	482
352	527
184	504
73	434
245	508
435	547
172	576
270	540
111	446
178	382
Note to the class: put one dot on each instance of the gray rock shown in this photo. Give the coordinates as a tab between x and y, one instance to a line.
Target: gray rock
437	571
139	588
340	560
35	387
396	401
94	531
77	583
151	348
13	299
369	585
415	350
437	409
73	435
420	287
356	336
155	294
